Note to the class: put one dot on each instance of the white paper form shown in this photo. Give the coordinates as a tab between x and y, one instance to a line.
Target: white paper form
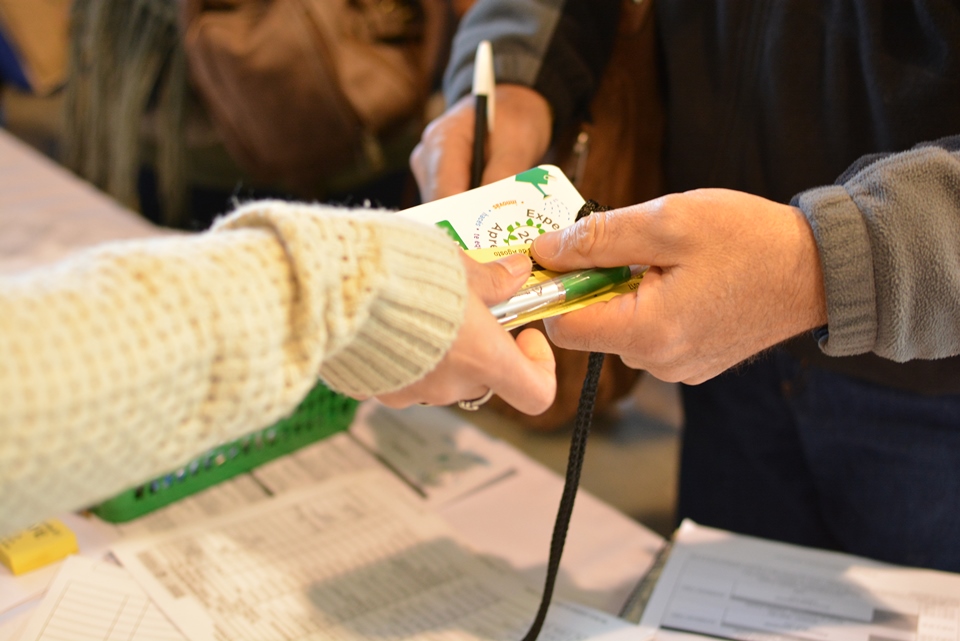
355	557
442	456
606	553
239	491
336	454
97	601
739	587
504	504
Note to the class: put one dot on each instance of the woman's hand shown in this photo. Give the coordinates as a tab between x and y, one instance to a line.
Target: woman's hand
485	356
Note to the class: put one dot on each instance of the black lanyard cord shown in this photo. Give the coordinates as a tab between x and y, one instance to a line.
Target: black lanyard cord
578	446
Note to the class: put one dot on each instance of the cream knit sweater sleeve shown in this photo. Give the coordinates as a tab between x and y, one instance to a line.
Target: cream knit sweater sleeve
127	360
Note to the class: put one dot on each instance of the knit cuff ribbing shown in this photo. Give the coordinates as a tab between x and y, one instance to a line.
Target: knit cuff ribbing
414	320
378	301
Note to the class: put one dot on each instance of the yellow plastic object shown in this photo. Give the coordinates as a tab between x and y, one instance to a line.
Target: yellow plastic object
37	546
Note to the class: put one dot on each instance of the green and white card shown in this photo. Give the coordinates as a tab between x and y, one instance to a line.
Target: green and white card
507	213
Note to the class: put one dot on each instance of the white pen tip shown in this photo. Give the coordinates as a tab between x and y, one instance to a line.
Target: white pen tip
483	78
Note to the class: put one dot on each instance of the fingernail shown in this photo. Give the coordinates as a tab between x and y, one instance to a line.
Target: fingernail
516	264
548	245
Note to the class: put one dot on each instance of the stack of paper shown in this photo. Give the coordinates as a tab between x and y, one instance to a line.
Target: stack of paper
327	543
736	587
354	557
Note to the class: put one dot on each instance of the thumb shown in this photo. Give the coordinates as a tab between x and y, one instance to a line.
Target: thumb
497	281
602	239
530	383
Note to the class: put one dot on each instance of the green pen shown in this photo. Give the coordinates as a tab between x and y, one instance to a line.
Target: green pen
562	289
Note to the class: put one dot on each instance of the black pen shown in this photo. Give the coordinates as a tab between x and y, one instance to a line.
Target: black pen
483	88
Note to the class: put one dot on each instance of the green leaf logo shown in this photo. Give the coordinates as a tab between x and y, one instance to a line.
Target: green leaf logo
535	177
516	226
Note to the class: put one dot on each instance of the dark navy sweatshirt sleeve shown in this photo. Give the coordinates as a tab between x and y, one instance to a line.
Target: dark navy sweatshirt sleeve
556	47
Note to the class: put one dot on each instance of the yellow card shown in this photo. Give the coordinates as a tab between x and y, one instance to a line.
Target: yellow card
37	546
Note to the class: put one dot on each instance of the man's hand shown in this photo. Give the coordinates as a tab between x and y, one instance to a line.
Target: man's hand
519	139
484	355
730	275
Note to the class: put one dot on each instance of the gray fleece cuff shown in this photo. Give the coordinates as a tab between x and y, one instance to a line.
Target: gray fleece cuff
845	256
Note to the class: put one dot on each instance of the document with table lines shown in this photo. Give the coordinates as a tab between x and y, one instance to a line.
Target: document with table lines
94	539
440	454
97	601
355	557
737	587
336	454
233	493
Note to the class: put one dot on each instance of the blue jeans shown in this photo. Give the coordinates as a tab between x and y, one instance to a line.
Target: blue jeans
803	455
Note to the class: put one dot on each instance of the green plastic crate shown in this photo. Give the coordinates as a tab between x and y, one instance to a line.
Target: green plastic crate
322	413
